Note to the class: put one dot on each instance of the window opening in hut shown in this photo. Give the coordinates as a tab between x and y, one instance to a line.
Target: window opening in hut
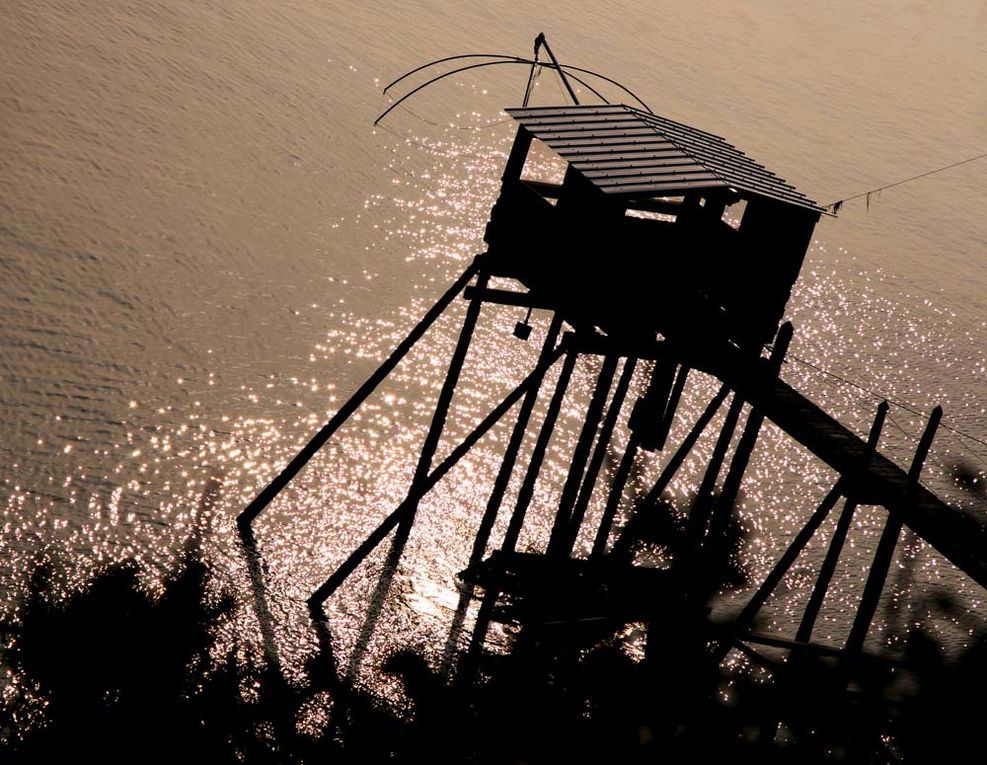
646	209
543	165
649	215
734	213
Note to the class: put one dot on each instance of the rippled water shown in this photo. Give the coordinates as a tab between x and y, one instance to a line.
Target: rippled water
205	247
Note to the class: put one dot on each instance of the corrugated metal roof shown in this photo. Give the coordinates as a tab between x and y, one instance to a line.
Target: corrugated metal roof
623	150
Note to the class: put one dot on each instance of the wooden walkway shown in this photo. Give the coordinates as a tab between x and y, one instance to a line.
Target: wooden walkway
956	534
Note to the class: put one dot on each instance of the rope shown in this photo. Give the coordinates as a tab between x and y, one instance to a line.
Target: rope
881	396
531	76
834	207
916	440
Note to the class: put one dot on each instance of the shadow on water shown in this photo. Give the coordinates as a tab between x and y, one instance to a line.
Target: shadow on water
117	673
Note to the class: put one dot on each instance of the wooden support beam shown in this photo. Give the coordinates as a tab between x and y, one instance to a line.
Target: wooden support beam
549	190
803	647
837	541
258	589
577	464
687	445
448	389
508	297
614	497
649	410
745	448
262	500
957	534
599	453
889	539
466	670
527	490
620	546
513	447
671	407
518	155
378	535
795	645
747	614
702	506
446	393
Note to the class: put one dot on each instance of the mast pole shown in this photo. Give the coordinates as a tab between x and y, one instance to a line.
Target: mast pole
539	41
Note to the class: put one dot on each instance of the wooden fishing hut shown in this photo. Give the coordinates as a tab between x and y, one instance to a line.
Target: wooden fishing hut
666	244
635	241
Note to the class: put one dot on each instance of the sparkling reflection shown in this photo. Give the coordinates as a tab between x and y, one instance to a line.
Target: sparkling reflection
184	470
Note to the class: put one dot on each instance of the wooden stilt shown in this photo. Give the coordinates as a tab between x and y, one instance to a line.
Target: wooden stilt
614	497
668	473
527	490
492	589
262	500
702	506
746	616
497	493
258	589
563	517
596	462
885	547
828	567
745	448
380	533
379	595
467	668
511	452
688	443
661	435
649	411
634	442
448	389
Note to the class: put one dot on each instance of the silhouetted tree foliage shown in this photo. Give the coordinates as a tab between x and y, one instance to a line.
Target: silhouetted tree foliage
113	674
121	675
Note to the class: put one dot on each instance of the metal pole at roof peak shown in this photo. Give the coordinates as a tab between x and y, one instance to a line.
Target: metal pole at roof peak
539	41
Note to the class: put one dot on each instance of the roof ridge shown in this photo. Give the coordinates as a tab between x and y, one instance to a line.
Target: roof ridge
684	148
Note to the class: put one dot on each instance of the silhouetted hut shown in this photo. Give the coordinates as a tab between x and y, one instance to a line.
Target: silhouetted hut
680	248
638	236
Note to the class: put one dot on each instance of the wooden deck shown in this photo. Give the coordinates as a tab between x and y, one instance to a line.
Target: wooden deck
554	589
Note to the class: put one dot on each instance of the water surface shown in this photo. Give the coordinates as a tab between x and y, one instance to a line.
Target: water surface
205	247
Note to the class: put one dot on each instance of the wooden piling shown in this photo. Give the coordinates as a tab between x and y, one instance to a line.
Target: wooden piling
889	539
634	443
613	498
724	504
448	390
262	500
837	541
577	464
511	452
781	567
380	533
527	490
599	453
673	404
702	506
671	468
439	416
